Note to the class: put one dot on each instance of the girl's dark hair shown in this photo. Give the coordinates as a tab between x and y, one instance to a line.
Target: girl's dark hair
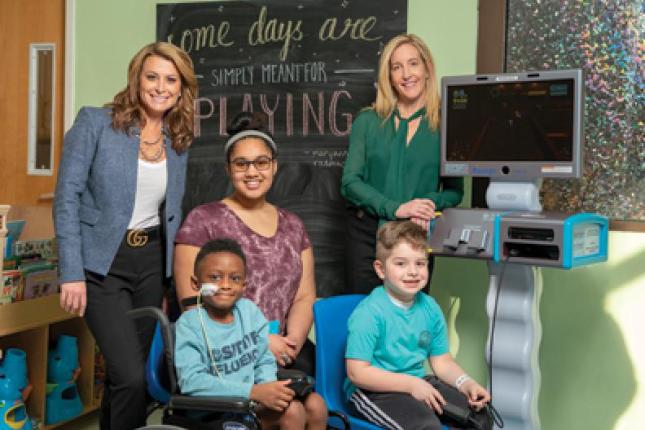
247	121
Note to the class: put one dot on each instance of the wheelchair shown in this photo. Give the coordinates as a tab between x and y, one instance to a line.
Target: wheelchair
201	413
187	412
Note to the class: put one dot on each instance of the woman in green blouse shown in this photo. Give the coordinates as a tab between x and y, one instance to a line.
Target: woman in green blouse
392	168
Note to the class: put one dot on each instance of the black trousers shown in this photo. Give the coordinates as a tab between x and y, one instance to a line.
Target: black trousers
135	280
361	253
402	411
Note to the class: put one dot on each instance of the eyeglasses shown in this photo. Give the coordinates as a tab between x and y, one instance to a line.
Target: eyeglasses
242	165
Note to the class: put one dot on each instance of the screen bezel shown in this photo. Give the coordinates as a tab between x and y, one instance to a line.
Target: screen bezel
517	170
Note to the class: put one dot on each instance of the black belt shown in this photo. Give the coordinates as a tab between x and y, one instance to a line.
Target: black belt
139	237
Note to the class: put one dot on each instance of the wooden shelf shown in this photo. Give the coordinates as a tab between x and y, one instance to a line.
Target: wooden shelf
34	326
28	314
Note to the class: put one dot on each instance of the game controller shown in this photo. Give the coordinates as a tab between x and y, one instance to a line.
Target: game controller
462	416
302	386
301	383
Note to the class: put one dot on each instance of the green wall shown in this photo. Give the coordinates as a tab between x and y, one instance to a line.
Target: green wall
109	33
592	355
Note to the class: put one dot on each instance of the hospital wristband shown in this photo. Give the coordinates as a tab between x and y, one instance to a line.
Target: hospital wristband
461	380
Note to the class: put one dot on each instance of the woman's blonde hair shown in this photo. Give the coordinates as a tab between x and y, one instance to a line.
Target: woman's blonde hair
127	109
386	97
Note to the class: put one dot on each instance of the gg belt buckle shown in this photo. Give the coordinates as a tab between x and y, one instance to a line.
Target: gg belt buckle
137	238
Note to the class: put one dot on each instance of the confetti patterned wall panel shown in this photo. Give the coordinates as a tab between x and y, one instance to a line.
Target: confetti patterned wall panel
605	39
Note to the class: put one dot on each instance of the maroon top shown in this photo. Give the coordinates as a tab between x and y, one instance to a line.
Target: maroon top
274	264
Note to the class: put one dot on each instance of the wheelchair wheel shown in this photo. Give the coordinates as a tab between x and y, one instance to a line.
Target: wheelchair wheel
161	427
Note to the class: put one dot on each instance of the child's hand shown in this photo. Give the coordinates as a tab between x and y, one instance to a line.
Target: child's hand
273	395
425	392
476	394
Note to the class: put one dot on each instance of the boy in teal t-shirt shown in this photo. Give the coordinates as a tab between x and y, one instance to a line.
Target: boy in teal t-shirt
391	334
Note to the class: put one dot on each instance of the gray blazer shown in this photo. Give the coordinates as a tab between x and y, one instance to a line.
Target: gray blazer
95	192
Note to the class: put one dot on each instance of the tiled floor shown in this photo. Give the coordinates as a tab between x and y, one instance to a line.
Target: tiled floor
91	421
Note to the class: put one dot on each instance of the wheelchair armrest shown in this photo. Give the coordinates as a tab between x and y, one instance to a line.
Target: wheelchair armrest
167	352
149	312
210	403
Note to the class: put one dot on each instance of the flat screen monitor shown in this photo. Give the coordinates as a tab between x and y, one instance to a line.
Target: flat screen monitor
518	126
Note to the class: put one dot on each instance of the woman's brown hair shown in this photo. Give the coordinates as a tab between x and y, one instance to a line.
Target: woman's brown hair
127	109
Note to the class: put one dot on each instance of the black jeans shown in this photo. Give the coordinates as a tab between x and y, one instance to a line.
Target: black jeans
135	279
361	253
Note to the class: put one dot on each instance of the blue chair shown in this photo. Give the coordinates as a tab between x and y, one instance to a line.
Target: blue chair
330	322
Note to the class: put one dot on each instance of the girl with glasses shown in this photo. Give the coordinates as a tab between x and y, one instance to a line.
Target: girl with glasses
280	260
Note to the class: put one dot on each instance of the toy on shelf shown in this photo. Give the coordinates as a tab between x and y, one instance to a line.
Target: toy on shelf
63	401
35	249
11	286
38	280
14	229
14	389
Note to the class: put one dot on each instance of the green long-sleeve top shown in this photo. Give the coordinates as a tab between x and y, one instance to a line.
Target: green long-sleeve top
370	181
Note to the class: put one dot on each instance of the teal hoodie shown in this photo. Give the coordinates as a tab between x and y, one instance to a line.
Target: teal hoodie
240	349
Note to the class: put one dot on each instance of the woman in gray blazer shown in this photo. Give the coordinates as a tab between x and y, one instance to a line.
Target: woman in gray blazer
116	211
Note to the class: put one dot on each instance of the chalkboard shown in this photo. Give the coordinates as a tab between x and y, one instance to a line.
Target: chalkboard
311	66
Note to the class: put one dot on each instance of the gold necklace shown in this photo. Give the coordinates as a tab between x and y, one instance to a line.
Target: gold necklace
151	158
153	142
